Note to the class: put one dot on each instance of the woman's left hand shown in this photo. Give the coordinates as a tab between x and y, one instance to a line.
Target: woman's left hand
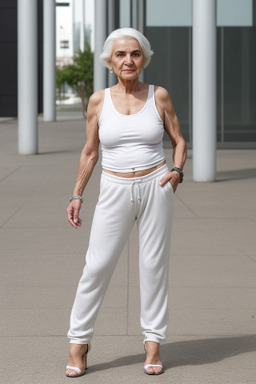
171	177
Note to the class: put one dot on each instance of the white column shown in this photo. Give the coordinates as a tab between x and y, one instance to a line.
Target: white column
141	16
135	14
111	26
100	74
138	21
141	25
138	15
204	90
82	27
27	78
49	64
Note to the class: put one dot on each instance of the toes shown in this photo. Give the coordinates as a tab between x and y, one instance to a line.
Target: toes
150	370
71	372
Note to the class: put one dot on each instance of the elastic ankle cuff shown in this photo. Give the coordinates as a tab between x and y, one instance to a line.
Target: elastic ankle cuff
77	341
156	341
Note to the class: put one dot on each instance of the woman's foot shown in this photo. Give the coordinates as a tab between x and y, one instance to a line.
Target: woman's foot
153	364
77	359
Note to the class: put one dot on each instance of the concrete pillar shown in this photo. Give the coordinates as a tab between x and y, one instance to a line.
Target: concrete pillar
204	90
111	16
27	77
141	25
82	27
141	16
100	72
112	25
135	21
49	68
138	12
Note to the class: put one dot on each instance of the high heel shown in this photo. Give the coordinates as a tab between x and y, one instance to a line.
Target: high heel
152	366
76	369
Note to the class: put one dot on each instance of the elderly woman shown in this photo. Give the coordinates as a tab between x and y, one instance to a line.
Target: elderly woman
128	120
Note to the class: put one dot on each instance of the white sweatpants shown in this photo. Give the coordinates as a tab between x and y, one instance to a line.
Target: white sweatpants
121	202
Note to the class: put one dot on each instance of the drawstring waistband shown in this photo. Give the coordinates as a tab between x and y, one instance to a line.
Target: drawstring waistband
135	181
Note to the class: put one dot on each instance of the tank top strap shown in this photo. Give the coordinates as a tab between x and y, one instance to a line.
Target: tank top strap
151	98
107	97
150	91
107	105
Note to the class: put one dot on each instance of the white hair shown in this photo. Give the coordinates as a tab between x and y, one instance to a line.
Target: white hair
105	56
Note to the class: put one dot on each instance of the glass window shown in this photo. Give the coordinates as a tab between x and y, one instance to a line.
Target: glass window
125	13
239	88
171	68
166	13
234	13
179	13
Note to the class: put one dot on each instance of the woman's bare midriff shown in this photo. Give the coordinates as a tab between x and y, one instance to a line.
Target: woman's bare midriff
136	173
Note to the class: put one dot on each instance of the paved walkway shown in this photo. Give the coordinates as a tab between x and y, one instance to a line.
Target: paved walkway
212	331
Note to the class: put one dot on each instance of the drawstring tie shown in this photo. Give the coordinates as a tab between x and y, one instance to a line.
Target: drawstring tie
132	190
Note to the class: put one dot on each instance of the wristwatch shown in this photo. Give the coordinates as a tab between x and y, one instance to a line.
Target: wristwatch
180	172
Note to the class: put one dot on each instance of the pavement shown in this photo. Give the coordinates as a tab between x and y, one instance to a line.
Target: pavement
212	327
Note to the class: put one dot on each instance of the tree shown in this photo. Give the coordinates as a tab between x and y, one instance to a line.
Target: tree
79	75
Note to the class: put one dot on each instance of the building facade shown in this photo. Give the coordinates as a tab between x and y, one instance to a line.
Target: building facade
9	57
74	25
168	26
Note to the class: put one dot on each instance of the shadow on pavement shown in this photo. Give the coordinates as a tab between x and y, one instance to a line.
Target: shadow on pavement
236	174
192	352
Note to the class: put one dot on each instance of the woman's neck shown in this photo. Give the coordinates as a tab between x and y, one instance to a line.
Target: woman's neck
128	86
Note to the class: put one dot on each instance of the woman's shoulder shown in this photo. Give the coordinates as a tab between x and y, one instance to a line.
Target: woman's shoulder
95	104
161	92
97	97
162	98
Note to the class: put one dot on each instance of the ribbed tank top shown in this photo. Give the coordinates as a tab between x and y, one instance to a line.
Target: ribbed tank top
131	142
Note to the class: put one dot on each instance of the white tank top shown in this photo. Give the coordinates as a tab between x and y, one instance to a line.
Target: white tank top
131	142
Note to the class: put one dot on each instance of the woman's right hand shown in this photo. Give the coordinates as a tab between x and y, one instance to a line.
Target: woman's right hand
73	213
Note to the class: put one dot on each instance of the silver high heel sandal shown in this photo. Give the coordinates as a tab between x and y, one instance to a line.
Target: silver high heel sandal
76	369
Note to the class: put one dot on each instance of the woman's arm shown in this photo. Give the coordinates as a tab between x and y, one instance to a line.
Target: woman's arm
172	127
88	158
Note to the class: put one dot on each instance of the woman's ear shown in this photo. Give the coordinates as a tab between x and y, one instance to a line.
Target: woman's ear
108	63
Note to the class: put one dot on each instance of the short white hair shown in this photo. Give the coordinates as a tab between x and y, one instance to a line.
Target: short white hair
105	56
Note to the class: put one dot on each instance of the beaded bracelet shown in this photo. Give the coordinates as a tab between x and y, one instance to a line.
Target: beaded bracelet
76	197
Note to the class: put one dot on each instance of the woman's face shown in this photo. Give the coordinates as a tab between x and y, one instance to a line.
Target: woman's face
127	58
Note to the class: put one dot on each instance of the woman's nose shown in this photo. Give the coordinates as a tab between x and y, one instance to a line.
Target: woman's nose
128	59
